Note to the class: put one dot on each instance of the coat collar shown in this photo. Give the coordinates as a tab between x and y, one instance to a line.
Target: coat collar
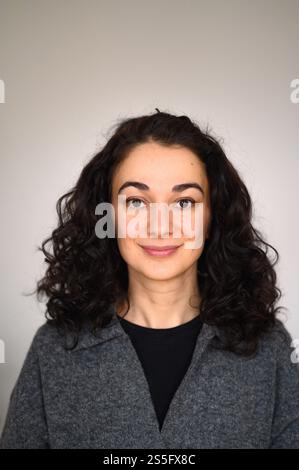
114	329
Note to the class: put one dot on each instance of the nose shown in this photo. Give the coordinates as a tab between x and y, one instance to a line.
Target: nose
160	221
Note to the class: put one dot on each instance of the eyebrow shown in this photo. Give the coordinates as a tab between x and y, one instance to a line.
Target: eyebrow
178	188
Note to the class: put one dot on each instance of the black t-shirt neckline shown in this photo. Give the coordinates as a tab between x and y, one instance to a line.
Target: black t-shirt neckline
155	331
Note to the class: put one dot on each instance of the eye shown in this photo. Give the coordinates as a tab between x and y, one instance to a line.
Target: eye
191	201
134	199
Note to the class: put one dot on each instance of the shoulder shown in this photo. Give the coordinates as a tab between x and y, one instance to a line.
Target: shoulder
279	342
47	338
278	335
50	338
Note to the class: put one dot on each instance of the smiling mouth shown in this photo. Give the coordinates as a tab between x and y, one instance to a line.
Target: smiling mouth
160	250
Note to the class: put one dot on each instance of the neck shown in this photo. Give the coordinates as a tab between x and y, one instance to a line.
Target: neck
161	303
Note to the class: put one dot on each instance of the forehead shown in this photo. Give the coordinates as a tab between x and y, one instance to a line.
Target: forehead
160	166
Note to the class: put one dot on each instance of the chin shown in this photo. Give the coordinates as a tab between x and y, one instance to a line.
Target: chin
159	274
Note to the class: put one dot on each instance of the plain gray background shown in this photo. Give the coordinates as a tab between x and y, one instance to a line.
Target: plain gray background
71	68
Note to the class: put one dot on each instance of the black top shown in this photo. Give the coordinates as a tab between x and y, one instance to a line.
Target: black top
165	354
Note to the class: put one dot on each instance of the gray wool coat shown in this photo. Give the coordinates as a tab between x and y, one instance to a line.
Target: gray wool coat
97	396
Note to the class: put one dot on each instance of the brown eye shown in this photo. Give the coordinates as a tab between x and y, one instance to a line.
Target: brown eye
186	200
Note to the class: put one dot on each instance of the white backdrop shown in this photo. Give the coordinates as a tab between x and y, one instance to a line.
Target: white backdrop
71	68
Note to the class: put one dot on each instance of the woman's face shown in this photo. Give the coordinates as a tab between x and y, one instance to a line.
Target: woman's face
159	169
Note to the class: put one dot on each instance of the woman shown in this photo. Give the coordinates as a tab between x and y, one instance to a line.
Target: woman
152	341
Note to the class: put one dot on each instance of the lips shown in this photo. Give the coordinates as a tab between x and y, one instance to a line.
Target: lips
153	247
159	250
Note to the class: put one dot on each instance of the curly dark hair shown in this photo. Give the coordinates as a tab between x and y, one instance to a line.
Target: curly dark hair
236	278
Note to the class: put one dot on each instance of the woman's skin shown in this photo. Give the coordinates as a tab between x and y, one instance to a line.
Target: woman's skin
160	288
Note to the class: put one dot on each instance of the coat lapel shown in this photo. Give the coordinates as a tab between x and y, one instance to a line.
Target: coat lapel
113	331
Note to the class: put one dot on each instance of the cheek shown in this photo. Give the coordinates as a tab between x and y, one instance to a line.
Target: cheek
199	225
131	223
195	230
127	244
127	248
190	256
